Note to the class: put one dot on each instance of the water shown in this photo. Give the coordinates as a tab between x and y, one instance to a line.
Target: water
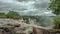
45	21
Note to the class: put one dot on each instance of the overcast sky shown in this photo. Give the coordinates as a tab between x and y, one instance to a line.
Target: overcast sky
26	7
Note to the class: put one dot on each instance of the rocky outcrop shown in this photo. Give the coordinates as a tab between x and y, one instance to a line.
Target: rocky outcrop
15	26
10	26
7	30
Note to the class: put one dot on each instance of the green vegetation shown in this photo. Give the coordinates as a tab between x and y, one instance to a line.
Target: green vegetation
13	15
57	22
10	14
2	15
55	6
31	17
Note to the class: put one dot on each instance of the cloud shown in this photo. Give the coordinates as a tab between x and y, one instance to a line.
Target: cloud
25	7
21	0
25	0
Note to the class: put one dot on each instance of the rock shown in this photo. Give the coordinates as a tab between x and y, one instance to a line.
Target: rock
7	30
20	33
37	30
15	25
1	31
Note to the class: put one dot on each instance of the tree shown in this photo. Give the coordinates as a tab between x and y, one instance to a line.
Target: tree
57	22
2	15
13	15
55	6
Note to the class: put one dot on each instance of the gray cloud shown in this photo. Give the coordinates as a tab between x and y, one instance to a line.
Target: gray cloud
25	7
41	5
25	0
22	0
9	6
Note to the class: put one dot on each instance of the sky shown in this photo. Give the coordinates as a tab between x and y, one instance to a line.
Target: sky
26	7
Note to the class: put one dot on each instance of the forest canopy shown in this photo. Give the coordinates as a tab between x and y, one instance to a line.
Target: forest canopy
55	6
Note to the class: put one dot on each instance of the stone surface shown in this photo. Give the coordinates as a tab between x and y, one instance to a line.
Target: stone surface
37	30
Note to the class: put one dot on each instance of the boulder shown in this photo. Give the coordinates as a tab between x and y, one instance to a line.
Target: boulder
37	30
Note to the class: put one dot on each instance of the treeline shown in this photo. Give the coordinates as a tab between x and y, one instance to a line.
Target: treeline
3	15
10	14
15	15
